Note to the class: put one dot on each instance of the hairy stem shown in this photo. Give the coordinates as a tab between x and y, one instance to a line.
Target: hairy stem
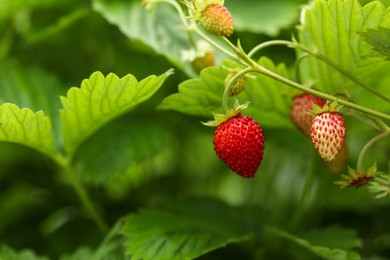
366	147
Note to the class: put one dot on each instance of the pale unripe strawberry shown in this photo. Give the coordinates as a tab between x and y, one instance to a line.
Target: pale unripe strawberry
216	19
328	132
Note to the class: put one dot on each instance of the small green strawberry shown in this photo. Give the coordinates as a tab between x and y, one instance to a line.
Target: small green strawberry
328	131
299	111
238	85
201	62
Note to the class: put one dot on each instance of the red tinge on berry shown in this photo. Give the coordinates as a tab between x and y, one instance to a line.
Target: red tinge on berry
216	19
239	142
299	111
328	132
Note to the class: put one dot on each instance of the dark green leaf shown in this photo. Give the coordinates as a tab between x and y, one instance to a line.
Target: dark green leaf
186	229
7	253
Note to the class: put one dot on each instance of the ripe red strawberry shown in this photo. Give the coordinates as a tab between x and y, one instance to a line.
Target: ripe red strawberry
328	134
299	111
216	19
239	142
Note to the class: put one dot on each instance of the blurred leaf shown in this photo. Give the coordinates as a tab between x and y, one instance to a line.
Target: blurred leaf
23	126
61	24
202	96
186	229
267	17
99	100
111	248
322	244
158	28
33	88
7	253
101	157
332	28
379	39
10	8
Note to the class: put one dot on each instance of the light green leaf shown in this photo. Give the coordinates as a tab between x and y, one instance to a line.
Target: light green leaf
23	126
34	88
320	242
202	96
186	229
158	29
332	28
7	253
99	100
379	39
267	17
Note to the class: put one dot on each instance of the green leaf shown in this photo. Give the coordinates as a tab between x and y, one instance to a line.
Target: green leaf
99	100
202	96
7	253
23	126
186	229
332	28
137	151
158	29
34	88
267	17
379	39
324	243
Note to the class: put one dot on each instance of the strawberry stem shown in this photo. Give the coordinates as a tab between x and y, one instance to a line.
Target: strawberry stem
225	97
366	147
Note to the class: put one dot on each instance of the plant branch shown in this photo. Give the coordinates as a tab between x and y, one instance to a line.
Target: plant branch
225	97
82	193
366	147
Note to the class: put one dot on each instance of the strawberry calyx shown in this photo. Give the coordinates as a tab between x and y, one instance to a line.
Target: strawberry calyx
198	6
356	178
220	118
332	108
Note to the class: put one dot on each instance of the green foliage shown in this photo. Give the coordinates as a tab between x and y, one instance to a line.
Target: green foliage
263	16
99	100
332	29
186	229
23	126
106	155
10	254
203	95
379	39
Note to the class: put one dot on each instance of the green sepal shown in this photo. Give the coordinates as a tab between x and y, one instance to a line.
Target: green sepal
356	178
198	6
380	185
220	118
332	108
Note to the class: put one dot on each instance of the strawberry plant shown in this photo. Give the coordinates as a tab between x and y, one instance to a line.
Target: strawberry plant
123	124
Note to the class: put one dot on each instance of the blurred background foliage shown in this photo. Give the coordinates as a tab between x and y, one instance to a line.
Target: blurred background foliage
47	46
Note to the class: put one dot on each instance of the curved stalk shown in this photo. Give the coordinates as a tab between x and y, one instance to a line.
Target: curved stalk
366	147
267	44
225	96
298	67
